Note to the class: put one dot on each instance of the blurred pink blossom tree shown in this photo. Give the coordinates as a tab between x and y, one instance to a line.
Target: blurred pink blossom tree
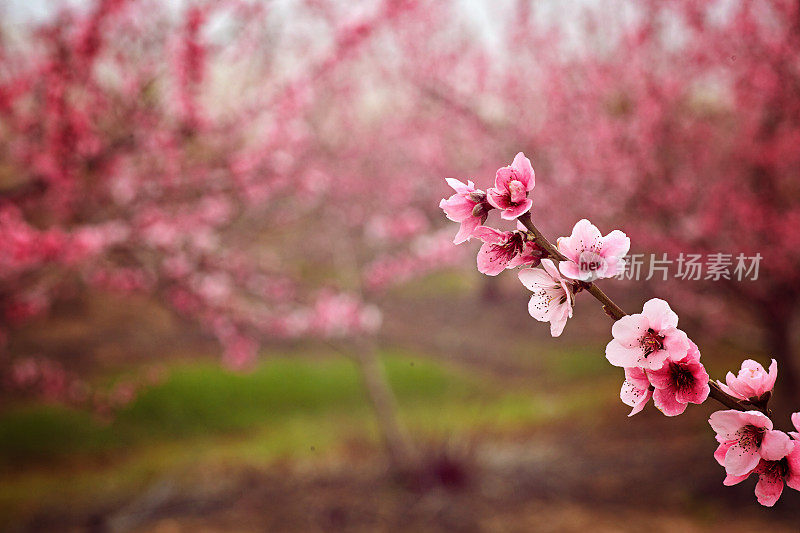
237	163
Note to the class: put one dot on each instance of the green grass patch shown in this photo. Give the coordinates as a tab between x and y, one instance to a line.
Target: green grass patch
204	399
286	408
578	363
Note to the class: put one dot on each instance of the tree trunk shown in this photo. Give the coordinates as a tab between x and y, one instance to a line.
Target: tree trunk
383	402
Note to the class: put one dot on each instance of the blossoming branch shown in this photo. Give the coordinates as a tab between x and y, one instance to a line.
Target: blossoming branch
659	360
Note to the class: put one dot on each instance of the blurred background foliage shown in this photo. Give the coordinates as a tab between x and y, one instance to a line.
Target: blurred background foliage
257	182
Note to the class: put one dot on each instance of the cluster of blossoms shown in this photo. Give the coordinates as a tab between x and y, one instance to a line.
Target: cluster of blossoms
659	360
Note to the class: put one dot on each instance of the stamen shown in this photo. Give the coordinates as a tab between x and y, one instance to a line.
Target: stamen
681	376
652	342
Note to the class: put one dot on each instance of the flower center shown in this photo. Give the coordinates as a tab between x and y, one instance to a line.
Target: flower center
776	469
652	342
751	436
681	376
516	191
509	249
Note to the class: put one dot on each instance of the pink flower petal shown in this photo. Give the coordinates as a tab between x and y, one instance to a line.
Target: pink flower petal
523	166
559	320
490	261
460	187
511	213
775	445
503	177
676	343
635	396
535	279
615	243
665	401
619	355
768	490
629	329
490	235
638	377
740	460
698	394
659	314
773	375
793	479
733	480
551	269
497	199
726	423
466	230
719	453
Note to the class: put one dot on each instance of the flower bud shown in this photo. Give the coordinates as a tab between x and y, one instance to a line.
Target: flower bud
753	383
477	196
479	210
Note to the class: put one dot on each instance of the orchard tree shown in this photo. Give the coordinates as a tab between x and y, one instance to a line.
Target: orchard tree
226	158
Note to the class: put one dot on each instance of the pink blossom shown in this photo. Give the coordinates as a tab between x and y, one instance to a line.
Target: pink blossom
796	423
636	389
500	250
552	298
511	187
678	383
772	475
647	339
463	207
746	437
530	256
592	256
752	382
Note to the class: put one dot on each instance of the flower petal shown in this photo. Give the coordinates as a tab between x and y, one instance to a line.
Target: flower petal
740	460
466	230
719	453
490	261
629	330
551	269
523	166
726	423
664	400
490	235
559	319
460	187
775	445
620	355
512	212
768	490
615	244
773	375
535	279
660	315
733	480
